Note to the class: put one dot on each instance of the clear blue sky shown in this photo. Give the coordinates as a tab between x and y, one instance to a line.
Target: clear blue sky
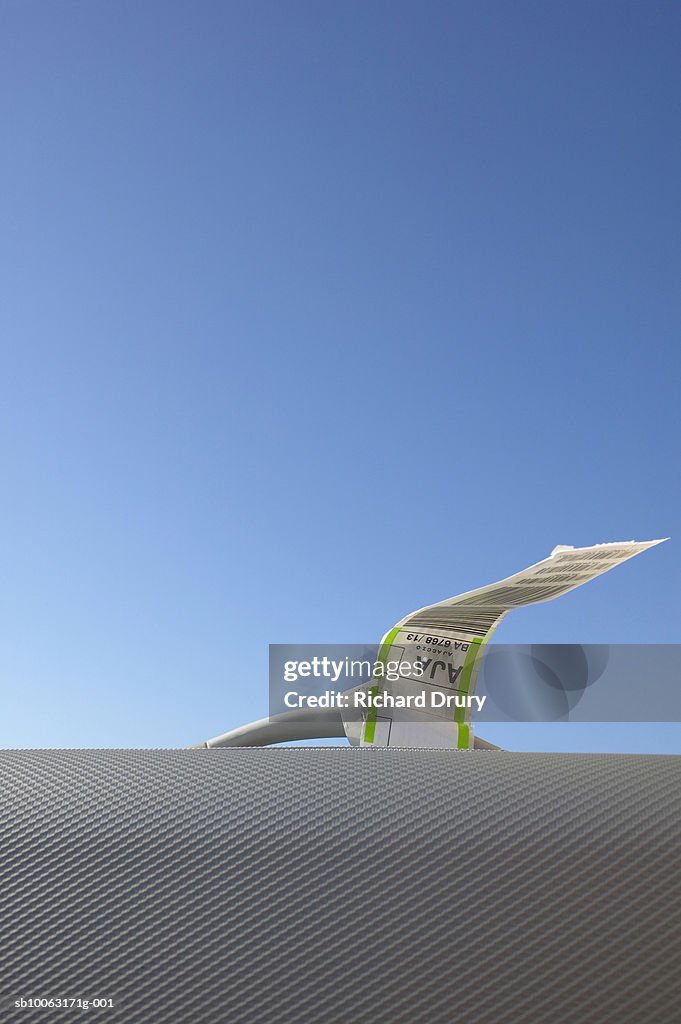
315	313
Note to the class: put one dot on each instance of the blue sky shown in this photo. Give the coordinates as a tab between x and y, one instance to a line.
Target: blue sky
316	313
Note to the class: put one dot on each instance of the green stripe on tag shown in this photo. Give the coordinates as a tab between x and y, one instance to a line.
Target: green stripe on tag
464	680
372	714
386	645
370	724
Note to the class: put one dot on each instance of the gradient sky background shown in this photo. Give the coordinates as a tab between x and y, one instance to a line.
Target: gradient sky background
313	314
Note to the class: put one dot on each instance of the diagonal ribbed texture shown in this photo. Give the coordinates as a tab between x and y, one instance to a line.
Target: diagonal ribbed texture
336	884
